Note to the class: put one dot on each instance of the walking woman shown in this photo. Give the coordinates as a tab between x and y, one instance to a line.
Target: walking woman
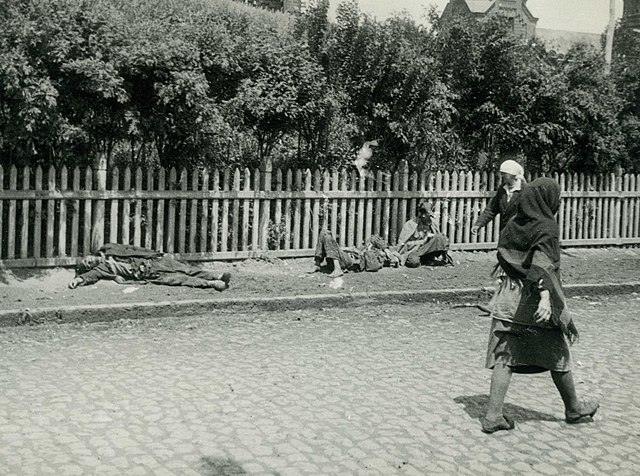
531	330
504	201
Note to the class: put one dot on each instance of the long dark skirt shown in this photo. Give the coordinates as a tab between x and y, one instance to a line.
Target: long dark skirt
524	348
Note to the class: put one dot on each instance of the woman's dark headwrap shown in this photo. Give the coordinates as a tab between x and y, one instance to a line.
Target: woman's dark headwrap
529	247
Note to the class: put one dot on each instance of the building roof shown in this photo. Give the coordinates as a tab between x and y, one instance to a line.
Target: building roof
479	6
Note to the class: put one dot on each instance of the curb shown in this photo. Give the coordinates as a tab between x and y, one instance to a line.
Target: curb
142	310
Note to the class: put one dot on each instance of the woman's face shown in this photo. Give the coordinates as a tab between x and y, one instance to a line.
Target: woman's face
423	217
508	179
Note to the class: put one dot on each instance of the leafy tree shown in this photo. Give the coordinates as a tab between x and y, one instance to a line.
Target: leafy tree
626	74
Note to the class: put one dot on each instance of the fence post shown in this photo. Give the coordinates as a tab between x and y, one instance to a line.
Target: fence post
619	200
97	228
266	170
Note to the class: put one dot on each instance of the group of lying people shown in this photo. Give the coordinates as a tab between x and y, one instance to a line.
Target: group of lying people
531	329
420	242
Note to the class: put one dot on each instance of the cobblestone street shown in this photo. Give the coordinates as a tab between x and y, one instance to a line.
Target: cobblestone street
392	389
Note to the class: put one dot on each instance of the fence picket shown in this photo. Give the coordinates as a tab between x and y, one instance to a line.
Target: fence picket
24	222
326	205
11	214
162	181
171	219
462	209
395	186
342	237
193	212
306	225
246	205
600	211
277	214
75	217
287	210
605	207
360	178
297	212
37	220
51	185
617	208
113	208
137	217
224	227
414	186
235	218
86	241
215	186
255	227
148	215
368	221
204	218
468	212
475	186
404	186
182	218
334	206
265	204
377	217
482	237
317	204
581	208
446	211
62	216
353	207
126	208
625	209
574	208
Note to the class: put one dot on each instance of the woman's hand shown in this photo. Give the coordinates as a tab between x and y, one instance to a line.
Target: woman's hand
544	311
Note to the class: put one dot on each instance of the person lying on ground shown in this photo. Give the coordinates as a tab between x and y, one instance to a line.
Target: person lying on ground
503	203
531	330
420	241
371	257
124	263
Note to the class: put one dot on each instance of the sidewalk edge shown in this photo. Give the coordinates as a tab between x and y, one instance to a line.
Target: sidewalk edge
140	310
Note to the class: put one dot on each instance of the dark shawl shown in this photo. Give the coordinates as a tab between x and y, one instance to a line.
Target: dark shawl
529	247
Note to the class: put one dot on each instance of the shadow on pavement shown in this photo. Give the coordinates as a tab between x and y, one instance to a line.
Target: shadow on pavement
475	406
220	467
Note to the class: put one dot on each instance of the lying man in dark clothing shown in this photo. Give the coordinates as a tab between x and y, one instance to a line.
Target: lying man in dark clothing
375	254
122	263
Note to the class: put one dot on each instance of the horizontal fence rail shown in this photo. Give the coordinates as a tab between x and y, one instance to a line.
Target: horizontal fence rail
51	217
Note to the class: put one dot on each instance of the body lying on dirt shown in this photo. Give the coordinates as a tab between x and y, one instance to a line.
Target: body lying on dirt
371	257
126	263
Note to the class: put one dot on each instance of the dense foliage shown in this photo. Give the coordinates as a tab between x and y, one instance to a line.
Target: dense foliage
217	82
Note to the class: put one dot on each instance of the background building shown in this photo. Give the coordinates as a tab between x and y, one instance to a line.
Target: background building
294	6
522	20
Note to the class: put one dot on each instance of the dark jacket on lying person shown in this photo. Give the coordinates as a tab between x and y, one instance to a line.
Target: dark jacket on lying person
123	263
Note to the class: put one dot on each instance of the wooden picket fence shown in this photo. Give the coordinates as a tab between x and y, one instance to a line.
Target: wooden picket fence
49	218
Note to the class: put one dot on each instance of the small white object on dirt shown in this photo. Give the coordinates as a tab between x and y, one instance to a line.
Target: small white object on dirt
130	289
336	283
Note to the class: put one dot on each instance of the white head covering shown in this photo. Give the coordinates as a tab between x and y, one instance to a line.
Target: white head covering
512	167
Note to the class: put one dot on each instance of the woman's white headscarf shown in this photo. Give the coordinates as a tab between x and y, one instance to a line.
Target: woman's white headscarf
512	167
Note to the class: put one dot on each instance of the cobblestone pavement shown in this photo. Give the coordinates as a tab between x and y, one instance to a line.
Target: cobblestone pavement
391	389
